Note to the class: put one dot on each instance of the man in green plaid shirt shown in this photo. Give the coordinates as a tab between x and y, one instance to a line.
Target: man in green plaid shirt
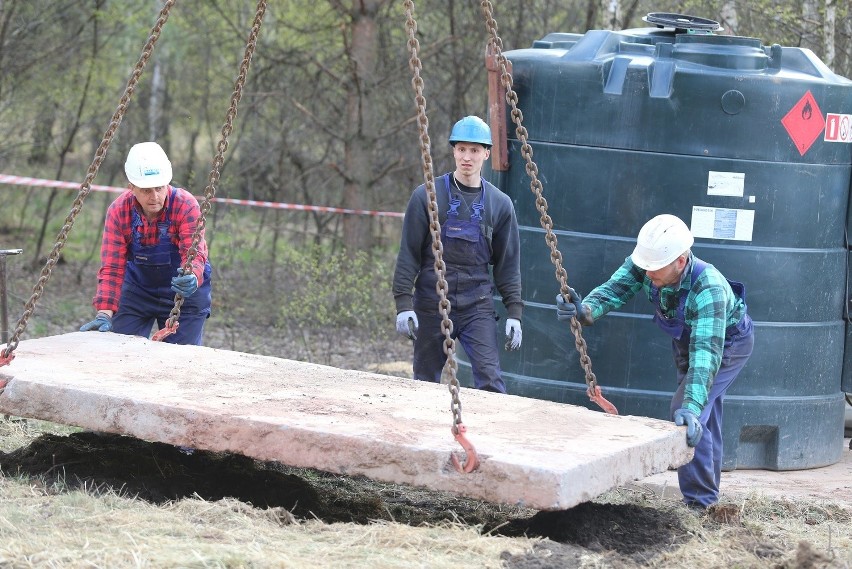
712	337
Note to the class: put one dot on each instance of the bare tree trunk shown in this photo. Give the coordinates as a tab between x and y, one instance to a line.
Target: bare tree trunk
846	68
810	26
828	33
7	9
629	14
360	124
457	102
156	100
591	14
72	133
728	19
157	96
611	12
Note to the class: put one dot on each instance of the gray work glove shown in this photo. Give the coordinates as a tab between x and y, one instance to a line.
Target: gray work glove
513	334
573	308
406	324
693	425
101	323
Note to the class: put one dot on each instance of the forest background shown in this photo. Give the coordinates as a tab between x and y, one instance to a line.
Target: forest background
327	118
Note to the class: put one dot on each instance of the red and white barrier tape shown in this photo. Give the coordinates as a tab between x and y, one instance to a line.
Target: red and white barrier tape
25	181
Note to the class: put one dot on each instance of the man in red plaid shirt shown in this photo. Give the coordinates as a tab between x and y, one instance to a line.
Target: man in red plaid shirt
147	235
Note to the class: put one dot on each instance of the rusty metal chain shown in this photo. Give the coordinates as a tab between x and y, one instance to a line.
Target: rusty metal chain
435	226
85	187
496	44
219	158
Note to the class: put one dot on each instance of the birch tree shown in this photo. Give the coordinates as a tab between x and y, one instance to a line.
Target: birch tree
828	28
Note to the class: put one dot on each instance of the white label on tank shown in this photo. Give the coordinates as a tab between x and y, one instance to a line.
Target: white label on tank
722	223
838	128
725	184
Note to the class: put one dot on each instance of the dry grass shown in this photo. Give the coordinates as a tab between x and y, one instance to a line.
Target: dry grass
754	532
49	527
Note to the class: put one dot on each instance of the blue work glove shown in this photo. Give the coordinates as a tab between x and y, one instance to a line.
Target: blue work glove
101	323
185	285
693	425
513	334
406	324
573	308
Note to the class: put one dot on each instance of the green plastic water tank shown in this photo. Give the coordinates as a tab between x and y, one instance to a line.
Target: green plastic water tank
750	145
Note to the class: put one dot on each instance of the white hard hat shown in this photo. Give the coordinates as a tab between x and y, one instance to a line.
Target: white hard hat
147	166
662	240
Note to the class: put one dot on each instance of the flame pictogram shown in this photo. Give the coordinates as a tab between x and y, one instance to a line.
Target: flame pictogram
804	122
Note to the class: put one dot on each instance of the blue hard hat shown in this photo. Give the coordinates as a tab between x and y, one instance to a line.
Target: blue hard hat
471	129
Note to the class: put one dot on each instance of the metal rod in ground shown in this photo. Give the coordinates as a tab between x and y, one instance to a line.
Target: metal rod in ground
4	309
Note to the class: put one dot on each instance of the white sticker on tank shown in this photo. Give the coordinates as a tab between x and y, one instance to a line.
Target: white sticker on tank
725	183
838	128
722	223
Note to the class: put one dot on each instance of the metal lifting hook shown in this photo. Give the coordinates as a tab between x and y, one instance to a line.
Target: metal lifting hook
596	396
166	331
472	462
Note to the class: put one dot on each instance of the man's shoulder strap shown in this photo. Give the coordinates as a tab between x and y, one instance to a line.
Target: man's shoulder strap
698	267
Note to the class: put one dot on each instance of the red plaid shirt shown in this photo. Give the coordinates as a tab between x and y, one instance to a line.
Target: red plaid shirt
115	246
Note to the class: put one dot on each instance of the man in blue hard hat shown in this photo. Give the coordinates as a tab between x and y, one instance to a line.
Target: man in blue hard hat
712	337
479	235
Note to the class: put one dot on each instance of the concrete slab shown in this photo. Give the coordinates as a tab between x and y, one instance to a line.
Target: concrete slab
539	454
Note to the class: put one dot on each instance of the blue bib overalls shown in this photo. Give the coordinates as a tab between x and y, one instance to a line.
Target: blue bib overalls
466	254
699	479
146	295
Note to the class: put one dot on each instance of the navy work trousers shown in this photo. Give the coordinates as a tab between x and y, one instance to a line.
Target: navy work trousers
139	309
474	327
699	479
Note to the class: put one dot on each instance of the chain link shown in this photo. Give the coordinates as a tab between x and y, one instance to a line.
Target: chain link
85	187
219	158
441	287
496	45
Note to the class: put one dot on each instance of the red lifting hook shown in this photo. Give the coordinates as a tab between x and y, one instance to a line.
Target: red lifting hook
472	462
165	332
6	360
595	395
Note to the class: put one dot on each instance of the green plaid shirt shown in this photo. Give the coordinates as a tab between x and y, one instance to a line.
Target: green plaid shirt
711	307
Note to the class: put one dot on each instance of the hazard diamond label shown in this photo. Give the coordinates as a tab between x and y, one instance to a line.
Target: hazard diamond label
804	123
